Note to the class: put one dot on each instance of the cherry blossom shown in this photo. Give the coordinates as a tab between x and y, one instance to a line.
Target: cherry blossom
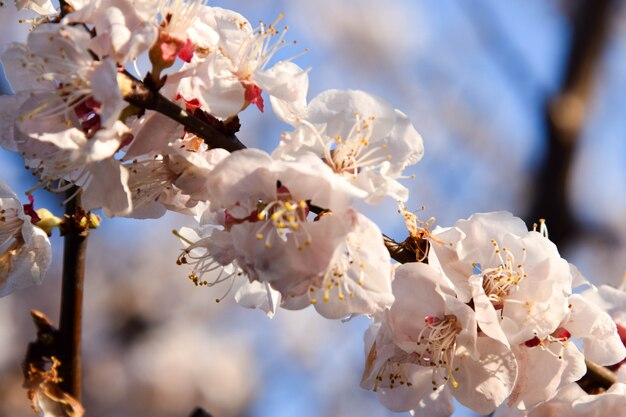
234	66
358	280
426	349
361	137
516	279
267	204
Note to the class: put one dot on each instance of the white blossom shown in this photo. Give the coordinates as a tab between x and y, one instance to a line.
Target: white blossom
518	282
124	28
427	349
234	67
358	280
361	137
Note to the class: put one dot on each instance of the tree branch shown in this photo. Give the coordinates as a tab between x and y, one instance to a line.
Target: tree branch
139	95
597	378
75	230
565	114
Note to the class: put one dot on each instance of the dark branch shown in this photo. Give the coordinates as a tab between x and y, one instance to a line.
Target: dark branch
597	378
565	114
75	231
199	412
144	98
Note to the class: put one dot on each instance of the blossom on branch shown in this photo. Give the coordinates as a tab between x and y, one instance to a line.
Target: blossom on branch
361	137
426	349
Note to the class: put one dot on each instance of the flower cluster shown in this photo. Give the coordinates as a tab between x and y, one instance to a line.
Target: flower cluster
490	318
279	229
487	314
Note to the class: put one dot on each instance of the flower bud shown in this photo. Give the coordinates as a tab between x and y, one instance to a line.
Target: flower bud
48	221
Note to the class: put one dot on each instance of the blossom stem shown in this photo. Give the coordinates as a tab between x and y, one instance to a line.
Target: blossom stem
399	252
142	96
74	250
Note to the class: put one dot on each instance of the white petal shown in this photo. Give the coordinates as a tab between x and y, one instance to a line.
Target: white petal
485	383
598	331
108	189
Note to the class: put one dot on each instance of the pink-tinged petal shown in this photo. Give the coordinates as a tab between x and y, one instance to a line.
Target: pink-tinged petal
257	295
485	383
213	84
240	177
444	248
105	143
25	254
486	316
609	299
610	403
467	322
601	341
152	133
285	81
543	370
416	289
572	401
308	178
43	7
193	168
108	189
25	265
561	404
289	266
9	113
106	91
362	271
24	72
287	111
125	28
435	404
403	397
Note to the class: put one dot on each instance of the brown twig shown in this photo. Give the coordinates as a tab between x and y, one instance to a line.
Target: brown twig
75	230
597	379
199	412
143	97
64	8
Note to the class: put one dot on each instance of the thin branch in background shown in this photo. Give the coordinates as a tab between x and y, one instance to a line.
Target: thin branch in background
199	412
565	115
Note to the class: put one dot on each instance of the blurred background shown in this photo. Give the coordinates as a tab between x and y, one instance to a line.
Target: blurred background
522	108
